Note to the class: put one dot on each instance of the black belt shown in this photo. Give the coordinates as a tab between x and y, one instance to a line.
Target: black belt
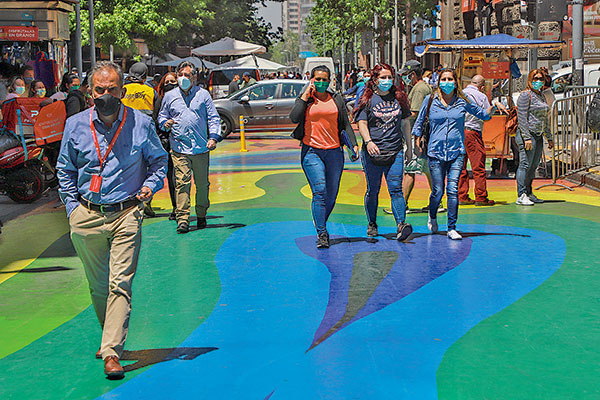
107	208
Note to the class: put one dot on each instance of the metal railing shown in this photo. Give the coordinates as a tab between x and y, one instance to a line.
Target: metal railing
579	90
576	147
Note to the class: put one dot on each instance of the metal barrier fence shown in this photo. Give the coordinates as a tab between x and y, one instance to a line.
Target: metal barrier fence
579	90
576	148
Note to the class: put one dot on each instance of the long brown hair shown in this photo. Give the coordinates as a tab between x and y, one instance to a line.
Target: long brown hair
365	99
533	73
160	89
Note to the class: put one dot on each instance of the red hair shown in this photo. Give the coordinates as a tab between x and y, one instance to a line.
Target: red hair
160	89
365	99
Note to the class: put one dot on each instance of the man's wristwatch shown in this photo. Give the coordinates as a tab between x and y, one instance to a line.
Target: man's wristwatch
368	141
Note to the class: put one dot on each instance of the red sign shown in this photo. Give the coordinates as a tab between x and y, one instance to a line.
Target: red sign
468	5
495	70
19	33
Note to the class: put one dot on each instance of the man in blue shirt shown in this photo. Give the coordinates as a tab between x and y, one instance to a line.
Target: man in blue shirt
190	116
110	161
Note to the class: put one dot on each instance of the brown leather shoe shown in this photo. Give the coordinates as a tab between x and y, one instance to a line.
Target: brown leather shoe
99	355
112	368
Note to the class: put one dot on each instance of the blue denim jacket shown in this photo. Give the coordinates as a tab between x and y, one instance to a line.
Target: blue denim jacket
447	126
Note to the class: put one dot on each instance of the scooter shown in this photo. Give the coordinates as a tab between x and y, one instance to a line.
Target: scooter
21	173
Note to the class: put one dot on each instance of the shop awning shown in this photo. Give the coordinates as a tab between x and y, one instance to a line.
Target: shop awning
500	41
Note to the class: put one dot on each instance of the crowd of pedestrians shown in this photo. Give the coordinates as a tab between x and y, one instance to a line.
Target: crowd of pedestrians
124	137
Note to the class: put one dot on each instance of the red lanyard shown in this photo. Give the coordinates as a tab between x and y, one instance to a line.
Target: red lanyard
112	142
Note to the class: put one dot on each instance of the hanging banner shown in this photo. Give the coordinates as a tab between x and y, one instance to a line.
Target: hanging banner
19	33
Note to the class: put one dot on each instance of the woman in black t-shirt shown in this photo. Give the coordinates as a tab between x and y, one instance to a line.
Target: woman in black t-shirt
379	114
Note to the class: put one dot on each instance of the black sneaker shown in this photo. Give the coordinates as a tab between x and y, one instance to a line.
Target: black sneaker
372	229
172	217
403	232
183	227
323	240
201	223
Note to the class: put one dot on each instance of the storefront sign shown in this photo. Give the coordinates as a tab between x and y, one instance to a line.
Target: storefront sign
19	33
473	59
495	69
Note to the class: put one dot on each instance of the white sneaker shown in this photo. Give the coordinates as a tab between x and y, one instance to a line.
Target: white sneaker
452	234
432	225
523	200
535	199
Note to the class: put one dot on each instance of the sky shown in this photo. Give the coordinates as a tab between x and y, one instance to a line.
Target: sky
271	13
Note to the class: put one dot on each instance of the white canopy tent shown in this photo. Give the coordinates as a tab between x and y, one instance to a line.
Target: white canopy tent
251	62
198	63
228	47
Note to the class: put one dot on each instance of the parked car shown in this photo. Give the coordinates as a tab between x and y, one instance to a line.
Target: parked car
264	106
219	79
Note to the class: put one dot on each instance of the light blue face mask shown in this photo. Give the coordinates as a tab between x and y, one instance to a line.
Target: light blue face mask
385	84
406	79
447	87
367	78
537	85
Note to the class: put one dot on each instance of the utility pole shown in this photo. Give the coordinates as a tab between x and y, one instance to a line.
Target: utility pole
533	53
343	67
577	61
78	55
395	37
92	39
375	45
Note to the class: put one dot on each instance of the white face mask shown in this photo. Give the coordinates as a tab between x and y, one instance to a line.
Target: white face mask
184	82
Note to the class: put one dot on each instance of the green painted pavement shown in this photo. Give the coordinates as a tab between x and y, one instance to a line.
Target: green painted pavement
545	346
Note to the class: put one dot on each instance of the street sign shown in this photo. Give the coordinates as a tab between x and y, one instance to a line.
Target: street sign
19	33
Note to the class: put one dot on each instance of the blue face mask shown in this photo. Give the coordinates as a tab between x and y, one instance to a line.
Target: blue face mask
537	85
406	79
184	82
385	84
447	87
367	78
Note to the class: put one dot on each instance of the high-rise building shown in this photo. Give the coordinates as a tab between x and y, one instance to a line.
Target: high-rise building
294	16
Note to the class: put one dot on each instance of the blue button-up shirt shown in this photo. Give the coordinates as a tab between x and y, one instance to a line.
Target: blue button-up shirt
447	126
194	114
137	159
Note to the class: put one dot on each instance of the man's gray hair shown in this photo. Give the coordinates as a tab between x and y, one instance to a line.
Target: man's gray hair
478	80
102	65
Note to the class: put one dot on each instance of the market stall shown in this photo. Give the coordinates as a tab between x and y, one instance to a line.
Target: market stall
493	57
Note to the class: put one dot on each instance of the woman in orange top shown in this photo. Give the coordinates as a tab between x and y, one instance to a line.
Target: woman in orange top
322	117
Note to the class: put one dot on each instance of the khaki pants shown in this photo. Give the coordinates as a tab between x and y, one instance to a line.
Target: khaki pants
184	165
109	246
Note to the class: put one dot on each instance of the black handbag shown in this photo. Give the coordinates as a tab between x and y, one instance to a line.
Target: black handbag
426	130
384	158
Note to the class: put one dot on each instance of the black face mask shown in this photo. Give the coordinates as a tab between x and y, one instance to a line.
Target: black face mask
170	86
107	104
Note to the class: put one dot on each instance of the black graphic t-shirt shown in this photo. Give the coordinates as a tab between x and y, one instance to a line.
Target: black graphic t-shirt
384	117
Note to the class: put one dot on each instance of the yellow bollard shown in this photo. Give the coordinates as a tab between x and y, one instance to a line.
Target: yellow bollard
242	135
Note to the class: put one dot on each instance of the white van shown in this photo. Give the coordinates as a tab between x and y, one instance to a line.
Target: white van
312	62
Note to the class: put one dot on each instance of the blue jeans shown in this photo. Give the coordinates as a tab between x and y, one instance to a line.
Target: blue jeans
440	172
393	176
323	170
528	162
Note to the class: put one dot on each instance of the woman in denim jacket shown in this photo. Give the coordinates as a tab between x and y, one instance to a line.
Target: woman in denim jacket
446	147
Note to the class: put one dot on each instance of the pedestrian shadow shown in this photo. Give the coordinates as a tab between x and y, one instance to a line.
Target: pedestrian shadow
416	235
38	270
144	358
333	242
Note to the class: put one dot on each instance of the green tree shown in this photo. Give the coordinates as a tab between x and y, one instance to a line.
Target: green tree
287	50
341	19
163	24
